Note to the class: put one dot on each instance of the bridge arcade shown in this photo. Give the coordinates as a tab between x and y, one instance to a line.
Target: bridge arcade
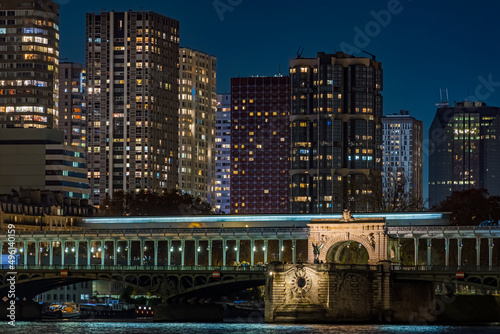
166	247
262	239
448	240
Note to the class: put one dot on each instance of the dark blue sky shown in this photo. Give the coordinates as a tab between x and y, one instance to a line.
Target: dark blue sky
425	45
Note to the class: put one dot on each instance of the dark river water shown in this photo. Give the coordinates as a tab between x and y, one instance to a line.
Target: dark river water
223	328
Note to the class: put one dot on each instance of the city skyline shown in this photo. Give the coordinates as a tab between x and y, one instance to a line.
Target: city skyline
225	161
440	55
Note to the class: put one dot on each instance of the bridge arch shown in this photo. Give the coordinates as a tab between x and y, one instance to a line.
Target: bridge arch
336	244
336	233
164	284
348	249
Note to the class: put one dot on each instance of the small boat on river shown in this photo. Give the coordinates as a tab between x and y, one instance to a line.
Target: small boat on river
61	311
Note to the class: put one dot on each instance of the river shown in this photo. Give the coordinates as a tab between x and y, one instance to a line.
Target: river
61	327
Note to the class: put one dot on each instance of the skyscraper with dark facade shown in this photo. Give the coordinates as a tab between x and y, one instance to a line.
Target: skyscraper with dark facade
29	64
464	150
336	134
72	104
260	144
132	107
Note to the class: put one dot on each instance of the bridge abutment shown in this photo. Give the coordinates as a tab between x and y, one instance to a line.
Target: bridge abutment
341	293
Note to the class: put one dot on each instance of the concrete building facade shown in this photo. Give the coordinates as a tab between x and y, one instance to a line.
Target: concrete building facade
29	64
38	159
223	154
336	132
132	83
197	108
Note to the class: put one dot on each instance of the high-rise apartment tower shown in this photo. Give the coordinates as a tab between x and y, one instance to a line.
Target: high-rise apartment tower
29	64
132	107
402	176
197	108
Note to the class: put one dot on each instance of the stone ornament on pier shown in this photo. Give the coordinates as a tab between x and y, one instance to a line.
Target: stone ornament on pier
295	293
346	216
317	250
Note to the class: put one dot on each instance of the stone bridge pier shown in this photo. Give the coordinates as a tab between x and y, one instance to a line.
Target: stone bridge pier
322	293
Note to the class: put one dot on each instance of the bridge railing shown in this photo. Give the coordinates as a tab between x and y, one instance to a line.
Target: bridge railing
166	231
440	228
468	268
329	267
134	268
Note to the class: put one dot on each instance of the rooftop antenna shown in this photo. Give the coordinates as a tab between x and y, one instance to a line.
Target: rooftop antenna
442	102
368	53
299	52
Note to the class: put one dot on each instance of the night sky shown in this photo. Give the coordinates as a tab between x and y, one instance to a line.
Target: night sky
424	45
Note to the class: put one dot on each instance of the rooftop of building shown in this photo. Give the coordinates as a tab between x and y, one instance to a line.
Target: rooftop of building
444	114
26	136
402	113
44	202
470	104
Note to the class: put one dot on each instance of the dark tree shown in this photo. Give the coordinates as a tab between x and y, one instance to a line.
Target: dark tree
145	203
393	199
470	207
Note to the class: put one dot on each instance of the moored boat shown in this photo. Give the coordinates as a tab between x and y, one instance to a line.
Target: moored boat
61	311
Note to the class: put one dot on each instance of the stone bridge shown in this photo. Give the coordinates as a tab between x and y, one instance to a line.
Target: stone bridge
362	293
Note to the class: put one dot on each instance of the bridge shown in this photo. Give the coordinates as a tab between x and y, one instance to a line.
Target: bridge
164	281
181	257
187	281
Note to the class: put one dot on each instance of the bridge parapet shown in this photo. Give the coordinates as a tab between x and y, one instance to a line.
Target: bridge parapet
443	231
142	268
163	232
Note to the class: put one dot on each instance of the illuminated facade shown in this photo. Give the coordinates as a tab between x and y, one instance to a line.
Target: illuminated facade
132	106
464	150
29	64
197	108
260	144
223	154
403	156
72	106
336	132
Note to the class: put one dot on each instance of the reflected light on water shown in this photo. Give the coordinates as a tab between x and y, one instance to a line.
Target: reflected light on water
52	327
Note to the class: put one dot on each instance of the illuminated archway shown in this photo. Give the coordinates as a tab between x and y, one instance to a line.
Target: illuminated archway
347	252
370	233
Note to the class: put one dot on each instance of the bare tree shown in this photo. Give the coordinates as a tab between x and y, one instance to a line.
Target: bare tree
395	197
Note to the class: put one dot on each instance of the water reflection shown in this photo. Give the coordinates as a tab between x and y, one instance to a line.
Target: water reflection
201	328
